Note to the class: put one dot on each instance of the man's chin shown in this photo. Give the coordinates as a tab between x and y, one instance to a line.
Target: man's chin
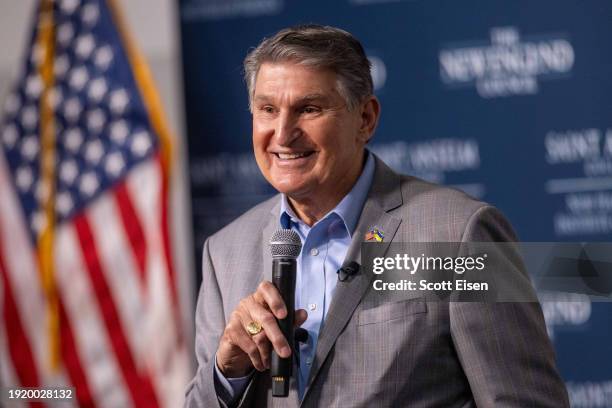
293	190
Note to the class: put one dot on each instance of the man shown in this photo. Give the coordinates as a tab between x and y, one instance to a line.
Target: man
313	109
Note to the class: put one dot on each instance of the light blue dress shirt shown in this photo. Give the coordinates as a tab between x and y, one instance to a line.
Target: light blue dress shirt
324	247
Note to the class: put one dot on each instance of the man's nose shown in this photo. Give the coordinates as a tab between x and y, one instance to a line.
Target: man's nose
287	129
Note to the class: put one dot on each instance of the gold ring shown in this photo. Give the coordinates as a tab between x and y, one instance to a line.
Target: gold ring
254	328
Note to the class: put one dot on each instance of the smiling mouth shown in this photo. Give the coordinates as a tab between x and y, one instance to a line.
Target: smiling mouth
292	156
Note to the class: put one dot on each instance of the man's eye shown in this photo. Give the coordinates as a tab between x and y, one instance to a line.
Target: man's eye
267	109
310	109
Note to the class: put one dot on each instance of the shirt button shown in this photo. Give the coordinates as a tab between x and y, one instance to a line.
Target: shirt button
309	362
312	306
314	252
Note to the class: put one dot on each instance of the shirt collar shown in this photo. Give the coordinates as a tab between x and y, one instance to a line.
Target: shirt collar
348	209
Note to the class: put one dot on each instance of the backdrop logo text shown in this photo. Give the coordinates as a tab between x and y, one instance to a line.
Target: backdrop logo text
508	65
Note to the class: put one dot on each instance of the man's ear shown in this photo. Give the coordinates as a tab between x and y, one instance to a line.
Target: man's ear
370	112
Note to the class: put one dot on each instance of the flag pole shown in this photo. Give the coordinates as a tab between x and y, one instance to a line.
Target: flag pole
46	43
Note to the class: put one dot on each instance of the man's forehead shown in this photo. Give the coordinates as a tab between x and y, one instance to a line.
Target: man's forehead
295	66
304	82
313	97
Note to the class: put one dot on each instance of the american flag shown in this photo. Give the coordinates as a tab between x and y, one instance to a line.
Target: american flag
86	271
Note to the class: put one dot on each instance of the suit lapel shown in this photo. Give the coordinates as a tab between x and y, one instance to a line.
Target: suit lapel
384	195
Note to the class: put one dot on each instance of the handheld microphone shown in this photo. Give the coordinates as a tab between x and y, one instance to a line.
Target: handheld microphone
285	246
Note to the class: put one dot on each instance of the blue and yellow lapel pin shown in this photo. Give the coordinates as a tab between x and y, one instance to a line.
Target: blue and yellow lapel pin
375	235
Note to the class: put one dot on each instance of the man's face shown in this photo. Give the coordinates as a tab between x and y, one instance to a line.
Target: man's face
307	144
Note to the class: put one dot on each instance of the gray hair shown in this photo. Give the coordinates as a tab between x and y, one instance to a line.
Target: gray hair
316	46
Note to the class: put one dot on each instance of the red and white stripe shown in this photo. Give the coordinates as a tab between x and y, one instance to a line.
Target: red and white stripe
170	365
93	348
120	269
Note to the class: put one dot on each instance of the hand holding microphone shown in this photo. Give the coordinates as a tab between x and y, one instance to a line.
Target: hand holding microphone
252	337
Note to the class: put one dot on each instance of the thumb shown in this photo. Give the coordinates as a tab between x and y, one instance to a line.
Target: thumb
300	317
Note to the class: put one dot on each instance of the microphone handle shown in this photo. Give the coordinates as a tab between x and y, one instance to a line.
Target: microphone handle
283	277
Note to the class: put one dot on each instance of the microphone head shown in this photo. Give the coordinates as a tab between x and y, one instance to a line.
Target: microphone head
285	243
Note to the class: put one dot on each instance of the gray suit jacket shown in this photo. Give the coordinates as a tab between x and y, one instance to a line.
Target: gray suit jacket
375	353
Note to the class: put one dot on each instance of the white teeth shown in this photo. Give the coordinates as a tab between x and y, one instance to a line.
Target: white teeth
286	156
